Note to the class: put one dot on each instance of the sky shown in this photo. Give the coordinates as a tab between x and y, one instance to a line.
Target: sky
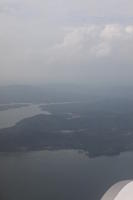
73	41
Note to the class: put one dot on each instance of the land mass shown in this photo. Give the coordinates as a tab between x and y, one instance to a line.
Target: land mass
94	131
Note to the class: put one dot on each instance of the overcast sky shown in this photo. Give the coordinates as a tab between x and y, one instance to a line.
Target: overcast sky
90	41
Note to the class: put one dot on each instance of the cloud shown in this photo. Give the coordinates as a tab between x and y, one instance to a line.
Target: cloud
102	52
52	40
95	41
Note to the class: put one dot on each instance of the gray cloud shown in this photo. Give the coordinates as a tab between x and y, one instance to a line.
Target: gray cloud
44	41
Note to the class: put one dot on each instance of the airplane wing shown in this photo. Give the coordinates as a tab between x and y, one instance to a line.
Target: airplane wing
120	191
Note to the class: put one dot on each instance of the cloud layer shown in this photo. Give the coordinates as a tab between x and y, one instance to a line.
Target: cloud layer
47	41
102	52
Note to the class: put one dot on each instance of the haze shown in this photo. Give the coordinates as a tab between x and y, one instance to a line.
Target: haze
66	41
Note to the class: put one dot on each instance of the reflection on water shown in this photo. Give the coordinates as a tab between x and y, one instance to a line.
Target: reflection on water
10	117
60	175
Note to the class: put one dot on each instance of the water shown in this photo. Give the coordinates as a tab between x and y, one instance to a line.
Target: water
60	175
10	117
56	175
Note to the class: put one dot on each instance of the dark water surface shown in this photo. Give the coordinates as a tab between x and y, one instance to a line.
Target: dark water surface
60	175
